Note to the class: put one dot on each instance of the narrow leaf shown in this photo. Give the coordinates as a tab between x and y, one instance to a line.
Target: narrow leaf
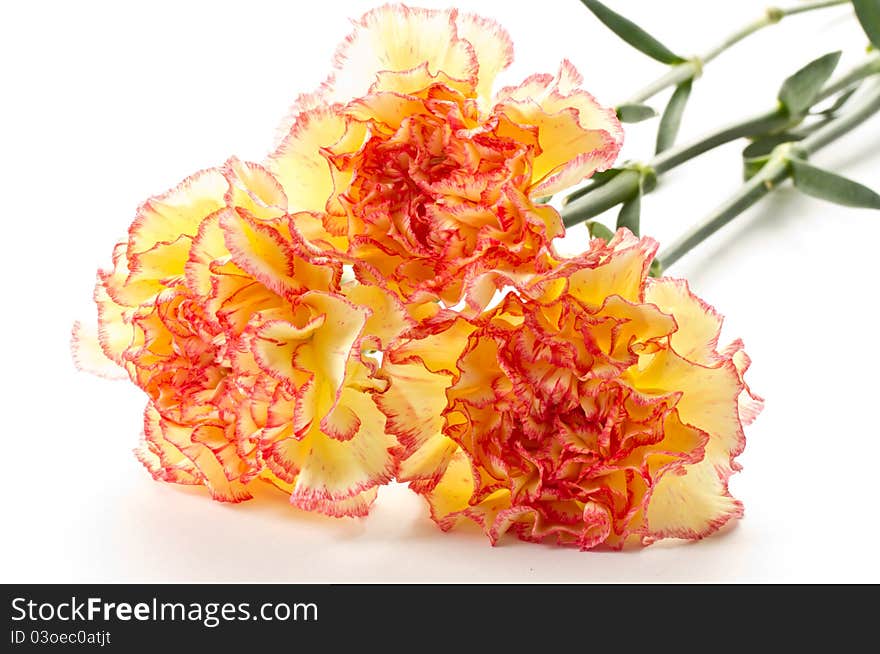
757	153
632	33
598	230
868	12
597	180
753	166
841	100
630	213
764	145
635	113
834	188
656	269
799	92
671	119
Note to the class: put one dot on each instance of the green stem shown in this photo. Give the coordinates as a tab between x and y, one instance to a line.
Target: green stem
673	77
692	69
761	124
774	172
620	189
586	203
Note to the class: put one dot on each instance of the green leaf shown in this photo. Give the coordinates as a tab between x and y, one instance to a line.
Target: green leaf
868	13
656	269
764	145
598	179
635	113
598	230
630	213
799	92
834	188
671	119
841	100
752	167
757	153
632	33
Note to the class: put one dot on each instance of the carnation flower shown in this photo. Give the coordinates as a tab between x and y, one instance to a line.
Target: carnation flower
590	406
248	345
405	161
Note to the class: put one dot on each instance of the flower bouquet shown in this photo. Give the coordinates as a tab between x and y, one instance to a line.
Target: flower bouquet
380	298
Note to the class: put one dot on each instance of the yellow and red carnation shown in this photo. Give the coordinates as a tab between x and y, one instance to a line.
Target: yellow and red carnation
250	347
591	406
406	162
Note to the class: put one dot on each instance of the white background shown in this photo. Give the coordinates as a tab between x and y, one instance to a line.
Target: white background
107	103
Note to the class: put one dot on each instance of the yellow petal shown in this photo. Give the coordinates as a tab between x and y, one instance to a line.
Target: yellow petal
351	507
699	325
179	211
330	469
414	404
298	164
399	38
492	46
622	274
708	397
388	317
562	141
115	332
204	462
452	499
429	462
88	355
159	268
276	344
439	352
255	189
452	495
208	247
276	262
578	136
692	505
331	345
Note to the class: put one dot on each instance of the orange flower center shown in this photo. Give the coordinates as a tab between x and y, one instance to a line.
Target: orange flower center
443	185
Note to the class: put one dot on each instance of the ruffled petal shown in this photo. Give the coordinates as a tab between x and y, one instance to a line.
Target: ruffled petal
352	507
298	163
709	397
179	456
115	332
492	46
280	263
414	404
399	38
88	355
388	315
620	268
255	189
577	135
691	504
180	211
698	324
330	469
